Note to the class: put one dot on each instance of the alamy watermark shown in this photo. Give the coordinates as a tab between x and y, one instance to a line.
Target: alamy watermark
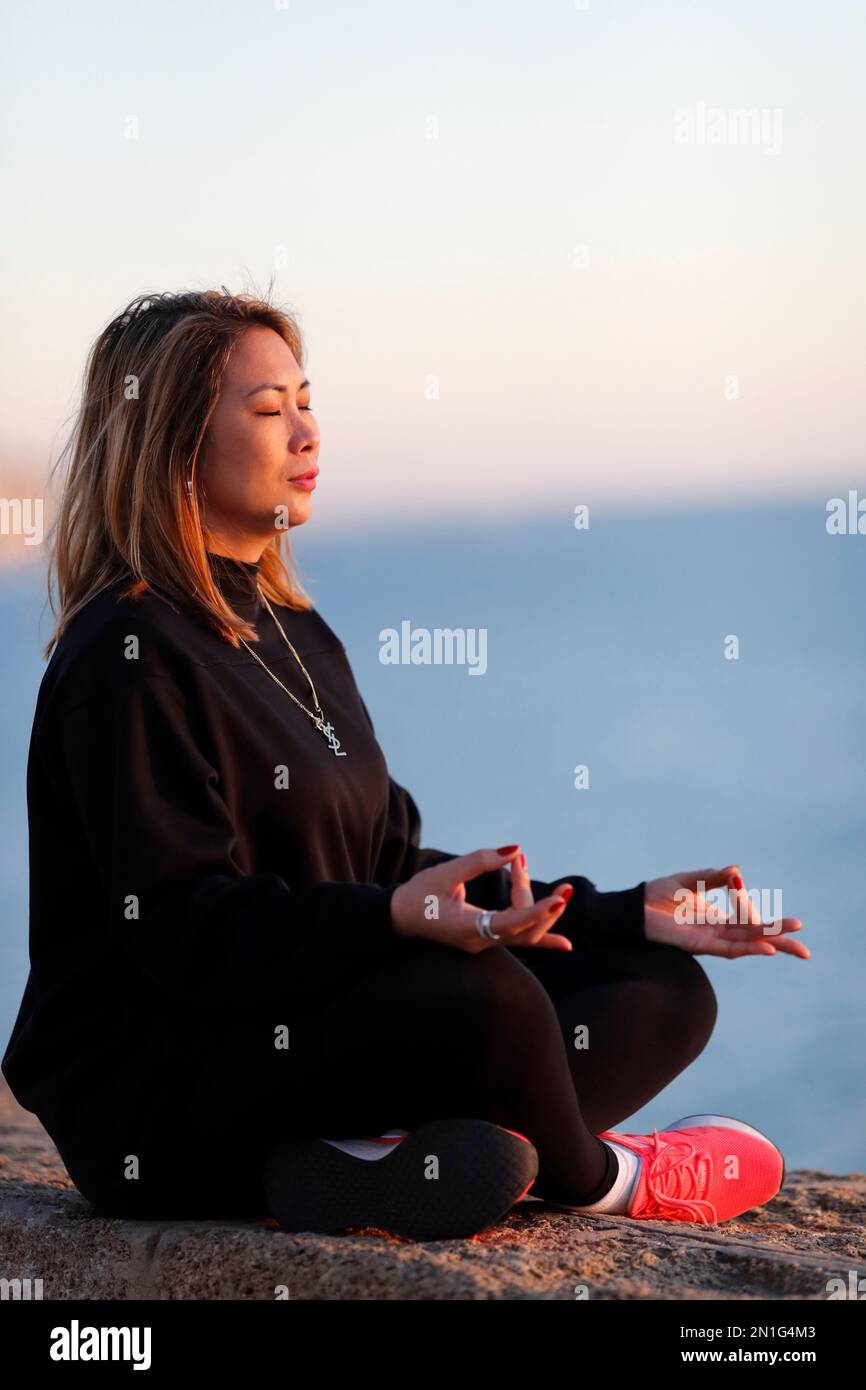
846	518
759	126
20	1290
22	516
438	646
767	902
77	1343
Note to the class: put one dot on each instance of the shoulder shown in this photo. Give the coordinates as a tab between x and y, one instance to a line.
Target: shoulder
308	630
116	641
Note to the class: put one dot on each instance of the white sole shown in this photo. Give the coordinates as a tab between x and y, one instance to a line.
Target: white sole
723	1121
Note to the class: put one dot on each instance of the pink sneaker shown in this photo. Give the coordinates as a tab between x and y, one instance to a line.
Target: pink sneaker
727	1122
683	1173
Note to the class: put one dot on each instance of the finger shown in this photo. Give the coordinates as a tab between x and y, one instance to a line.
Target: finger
512	920
733	950
538	932
541	936
757	948
784	924
700	880
521	887
787	947
772	931
776	948
469	866
779	935
744	909
548	941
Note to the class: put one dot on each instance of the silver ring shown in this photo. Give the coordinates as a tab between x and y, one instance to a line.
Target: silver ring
482	925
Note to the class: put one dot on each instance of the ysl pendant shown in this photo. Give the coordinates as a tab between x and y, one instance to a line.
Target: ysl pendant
328	731
318	718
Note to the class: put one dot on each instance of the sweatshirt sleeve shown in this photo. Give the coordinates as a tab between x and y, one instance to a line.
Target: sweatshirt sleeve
401	855
163	845
597	918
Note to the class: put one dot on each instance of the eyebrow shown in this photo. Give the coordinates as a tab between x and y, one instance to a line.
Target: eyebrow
273	386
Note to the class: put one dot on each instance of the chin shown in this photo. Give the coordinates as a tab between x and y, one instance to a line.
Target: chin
296	509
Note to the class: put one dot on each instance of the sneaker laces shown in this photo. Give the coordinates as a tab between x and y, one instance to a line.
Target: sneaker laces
676	1177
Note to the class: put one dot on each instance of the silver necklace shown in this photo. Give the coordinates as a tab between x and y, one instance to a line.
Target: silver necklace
318	718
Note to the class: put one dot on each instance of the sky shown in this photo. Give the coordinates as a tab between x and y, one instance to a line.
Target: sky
536	260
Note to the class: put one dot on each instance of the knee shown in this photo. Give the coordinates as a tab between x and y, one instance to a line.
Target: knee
691	1001
498	985
485	983
699	987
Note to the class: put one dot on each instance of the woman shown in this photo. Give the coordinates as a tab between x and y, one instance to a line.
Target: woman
240	955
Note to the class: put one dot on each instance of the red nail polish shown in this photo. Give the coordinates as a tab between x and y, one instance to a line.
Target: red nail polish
507	849
737	881
567	891
523	862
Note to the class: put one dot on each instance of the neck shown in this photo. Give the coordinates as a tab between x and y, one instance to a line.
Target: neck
237	581
237	545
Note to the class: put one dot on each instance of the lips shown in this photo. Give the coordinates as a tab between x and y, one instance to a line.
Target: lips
306	480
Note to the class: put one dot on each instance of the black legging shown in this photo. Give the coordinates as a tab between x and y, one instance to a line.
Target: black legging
440	1032
425	1030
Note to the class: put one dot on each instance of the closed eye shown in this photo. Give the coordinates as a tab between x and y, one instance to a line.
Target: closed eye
279	412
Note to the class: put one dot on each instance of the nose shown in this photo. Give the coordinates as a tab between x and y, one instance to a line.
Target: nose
305	440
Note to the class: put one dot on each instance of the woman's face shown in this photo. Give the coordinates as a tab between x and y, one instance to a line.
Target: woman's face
261	439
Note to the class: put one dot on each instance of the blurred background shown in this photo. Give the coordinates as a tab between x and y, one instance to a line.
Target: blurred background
601	255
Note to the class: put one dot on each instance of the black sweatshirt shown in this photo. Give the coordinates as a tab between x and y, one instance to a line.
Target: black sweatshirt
196	845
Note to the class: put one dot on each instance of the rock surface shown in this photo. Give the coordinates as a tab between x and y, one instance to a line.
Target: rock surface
812	1231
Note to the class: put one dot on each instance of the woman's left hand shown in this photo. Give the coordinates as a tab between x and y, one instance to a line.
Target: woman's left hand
521	896
677	914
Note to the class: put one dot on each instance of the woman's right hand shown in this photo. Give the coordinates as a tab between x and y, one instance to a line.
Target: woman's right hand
433	904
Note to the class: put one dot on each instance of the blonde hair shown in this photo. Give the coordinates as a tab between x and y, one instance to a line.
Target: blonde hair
125	512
